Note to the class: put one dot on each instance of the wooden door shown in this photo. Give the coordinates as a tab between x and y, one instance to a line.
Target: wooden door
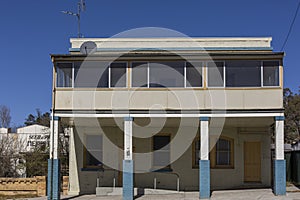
252	161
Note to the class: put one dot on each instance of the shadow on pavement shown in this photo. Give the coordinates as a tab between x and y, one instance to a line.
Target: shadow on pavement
140	193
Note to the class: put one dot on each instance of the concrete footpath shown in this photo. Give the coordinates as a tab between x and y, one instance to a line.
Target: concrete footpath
251	194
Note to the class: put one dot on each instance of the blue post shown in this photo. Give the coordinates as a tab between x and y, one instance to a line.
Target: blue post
128	180
204	179
279	162
53	182
56	180
279	177
49	180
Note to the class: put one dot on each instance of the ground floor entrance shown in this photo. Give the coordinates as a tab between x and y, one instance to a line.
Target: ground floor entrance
174	153
252	161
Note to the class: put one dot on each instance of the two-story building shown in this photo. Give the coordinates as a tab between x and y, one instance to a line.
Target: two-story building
188	114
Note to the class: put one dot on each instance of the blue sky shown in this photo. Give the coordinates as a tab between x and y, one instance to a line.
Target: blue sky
33	29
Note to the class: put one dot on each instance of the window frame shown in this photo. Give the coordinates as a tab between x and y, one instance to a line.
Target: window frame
184	74
202	73
233	87
213	155
85	87
204	65
109	74
262	74
224	74
167	61
85	153
168	167
56	74
131	73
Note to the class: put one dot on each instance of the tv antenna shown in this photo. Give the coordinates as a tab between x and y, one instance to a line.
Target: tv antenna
80	8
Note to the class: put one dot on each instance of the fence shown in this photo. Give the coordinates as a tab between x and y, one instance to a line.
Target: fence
23	186
293	167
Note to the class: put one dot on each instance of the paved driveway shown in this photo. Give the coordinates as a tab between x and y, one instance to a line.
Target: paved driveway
260	194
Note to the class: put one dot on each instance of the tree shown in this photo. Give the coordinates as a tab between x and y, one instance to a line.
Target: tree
292	115
5	117
10	157
36	161
40	119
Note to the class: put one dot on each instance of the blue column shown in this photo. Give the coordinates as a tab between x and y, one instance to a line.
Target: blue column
204	163
279	177
53	186
53	181
49	180
128	180
56	180
128	187
279	162
204	178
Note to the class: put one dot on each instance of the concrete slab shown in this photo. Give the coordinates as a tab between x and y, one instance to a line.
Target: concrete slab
253	194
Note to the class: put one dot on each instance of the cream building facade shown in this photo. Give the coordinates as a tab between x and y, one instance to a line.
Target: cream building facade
180	114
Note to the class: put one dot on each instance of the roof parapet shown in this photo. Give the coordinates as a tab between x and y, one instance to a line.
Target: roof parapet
224	43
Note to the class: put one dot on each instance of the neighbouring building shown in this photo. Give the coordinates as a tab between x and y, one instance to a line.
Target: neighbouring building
188	114
3	131
27	139
34	136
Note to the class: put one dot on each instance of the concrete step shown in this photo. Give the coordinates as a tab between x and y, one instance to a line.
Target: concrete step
110	191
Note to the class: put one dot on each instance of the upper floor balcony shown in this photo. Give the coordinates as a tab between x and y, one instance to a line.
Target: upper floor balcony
226	77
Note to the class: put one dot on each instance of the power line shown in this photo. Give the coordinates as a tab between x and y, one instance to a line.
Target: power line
291	27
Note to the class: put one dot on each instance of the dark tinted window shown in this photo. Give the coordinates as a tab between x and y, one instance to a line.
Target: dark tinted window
271	73
194	74
243	73
94	150
118	74
139	74
161	148
64	74
215	74
91	74
167	74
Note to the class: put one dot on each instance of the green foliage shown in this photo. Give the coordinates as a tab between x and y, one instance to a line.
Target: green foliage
36	162
40	118
292	115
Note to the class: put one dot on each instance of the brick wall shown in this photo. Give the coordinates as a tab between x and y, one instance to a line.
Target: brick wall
65	185
16	186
